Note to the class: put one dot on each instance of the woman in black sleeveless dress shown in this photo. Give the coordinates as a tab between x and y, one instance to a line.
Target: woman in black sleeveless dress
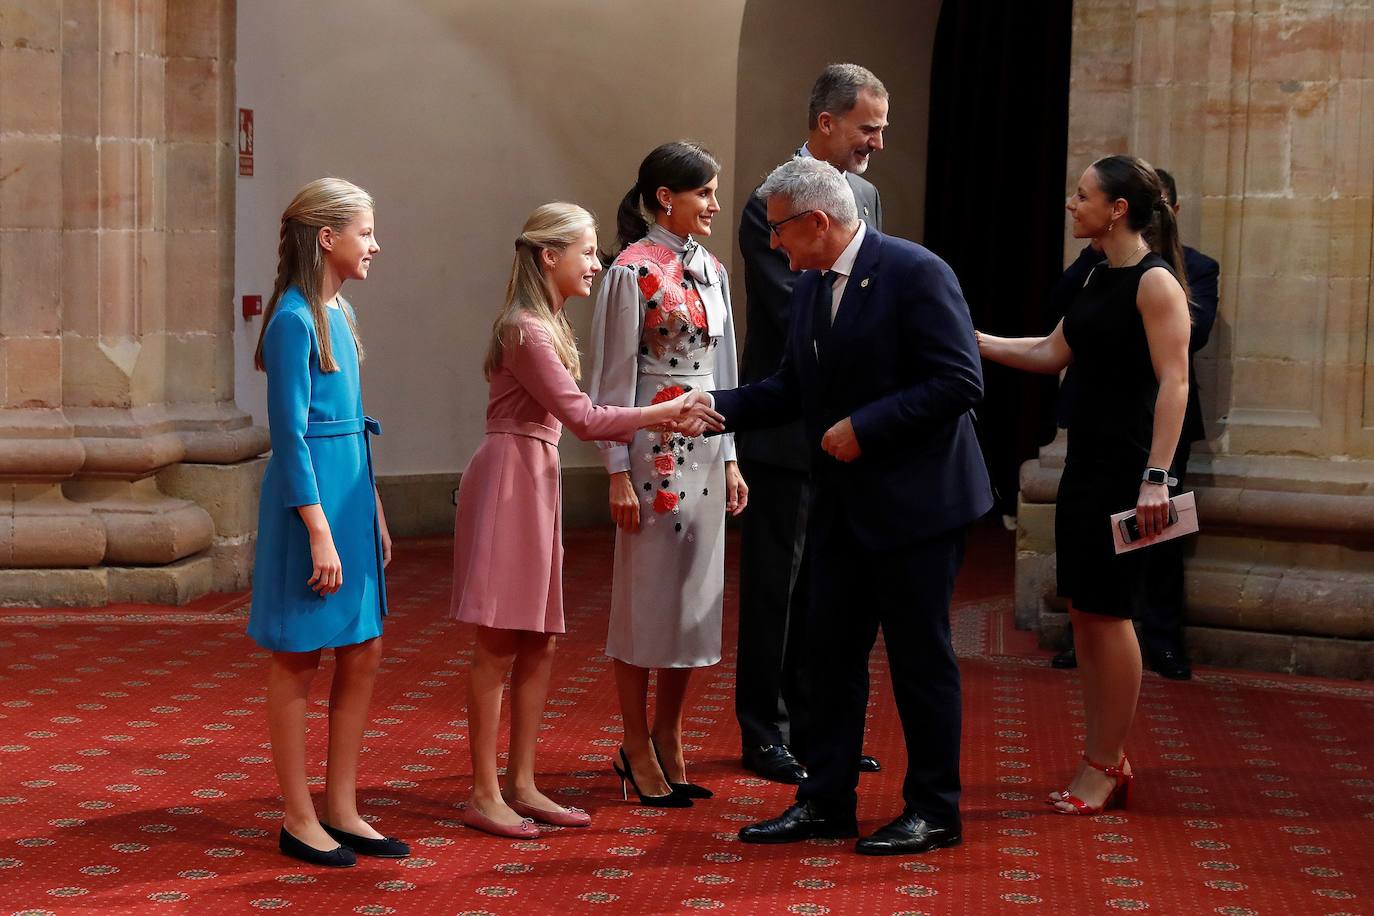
1127	336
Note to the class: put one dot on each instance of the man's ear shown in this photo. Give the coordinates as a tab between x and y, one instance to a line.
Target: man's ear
822	220
825	122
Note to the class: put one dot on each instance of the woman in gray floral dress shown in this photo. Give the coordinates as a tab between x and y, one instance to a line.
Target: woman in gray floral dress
663	326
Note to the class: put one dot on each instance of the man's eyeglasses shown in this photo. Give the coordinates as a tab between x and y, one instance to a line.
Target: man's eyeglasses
774	227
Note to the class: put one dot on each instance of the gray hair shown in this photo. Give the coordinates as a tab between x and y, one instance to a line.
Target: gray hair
837	90
811	184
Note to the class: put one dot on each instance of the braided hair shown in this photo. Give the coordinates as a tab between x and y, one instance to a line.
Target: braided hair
331	202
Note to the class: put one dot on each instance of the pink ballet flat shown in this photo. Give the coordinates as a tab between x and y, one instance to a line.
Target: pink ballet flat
568	817
525	830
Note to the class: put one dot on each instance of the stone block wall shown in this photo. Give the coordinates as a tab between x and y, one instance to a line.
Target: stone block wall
1264	112
117	158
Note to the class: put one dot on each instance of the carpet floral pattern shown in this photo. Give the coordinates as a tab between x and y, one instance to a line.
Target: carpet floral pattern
135	777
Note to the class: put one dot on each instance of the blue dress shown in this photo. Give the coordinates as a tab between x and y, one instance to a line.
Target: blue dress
320	454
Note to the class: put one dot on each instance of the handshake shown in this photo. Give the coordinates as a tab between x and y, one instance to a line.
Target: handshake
689	413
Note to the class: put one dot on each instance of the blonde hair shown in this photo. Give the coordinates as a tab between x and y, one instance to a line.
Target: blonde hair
552	227
330	202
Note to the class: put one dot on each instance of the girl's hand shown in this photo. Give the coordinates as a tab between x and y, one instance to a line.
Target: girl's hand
384	531
1152	509
386	543
624	502
693	414
327	577
736	490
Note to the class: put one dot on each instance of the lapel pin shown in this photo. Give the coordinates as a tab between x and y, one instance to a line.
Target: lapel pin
864	284
865	211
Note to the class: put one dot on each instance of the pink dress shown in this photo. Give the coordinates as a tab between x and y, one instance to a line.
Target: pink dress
508	537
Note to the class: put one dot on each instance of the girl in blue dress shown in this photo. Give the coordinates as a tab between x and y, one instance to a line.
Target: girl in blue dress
322	538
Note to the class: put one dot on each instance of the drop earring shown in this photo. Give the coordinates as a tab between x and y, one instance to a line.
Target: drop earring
670	210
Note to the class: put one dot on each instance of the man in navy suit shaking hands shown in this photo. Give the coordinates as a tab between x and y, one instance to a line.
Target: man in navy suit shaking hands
882	367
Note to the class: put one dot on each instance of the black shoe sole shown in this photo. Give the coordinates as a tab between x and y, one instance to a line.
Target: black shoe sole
899	851
837	834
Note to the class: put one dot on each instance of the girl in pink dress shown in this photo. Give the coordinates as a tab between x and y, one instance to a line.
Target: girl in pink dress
507	550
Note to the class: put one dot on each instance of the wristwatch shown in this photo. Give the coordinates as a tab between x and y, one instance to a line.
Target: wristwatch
1160	476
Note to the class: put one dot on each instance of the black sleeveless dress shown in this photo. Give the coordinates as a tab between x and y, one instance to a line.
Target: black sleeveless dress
1110	430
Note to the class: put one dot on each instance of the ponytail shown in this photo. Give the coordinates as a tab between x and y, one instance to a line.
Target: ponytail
1164	241
324	202
680	165
630	221
1148	212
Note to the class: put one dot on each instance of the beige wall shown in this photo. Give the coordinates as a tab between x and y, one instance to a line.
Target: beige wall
460	122
784	44
460	118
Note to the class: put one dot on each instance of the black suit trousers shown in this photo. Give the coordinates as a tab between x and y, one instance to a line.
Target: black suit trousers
905	591
774	588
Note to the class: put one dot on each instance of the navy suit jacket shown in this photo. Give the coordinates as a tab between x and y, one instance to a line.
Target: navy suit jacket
768	294
901	362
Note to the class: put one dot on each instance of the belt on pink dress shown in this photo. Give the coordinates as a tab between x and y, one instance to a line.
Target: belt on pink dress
523	428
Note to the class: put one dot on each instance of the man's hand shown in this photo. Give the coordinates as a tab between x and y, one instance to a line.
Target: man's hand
736	490
839	441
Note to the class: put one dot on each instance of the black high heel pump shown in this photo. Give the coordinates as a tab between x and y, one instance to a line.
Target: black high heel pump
687	789
674	799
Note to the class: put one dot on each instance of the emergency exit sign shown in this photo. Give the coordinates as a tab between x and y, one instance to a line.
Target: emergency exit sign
246	142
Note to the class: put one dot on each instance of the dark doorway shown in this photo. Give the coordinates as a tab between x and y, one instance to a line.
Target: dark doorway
994	210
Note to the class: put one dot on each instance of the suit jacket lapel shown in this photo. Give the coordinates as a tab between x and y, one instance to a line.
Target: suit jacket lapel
856	290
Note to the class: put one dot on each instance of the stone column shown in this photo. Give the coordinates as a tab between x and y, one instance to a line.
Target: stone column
1264	112
116	295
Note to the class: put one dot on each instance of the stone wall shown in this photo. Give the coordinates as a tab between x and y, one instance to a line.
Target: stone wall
1264	112
116	283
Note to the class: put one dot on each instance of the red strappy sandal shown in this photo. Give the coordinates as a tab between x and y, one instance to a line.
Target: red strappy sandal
1119	797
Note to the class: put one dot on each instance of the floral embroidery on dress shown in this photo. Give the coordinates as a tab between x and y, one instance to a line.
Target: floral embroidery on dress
659	275
667	455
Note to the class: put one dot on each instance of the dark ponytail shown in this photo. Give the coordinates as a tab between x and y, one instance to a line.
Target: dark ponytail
681	165
1164	241
1147	207
630	222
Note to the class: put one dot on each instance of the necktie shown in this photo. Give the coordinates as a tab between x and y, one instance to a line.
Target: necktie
821	316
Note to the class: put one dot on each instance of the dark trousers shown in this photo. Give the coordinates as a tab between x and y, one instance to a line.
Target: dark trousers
905	591
1162	602
770	700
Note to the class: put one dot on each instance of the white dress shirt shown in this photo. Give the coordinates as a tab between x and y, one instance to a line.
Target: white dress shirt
844	266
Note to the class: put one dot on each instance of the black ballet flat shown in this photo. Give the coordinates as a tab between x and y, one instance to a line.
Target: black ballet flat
385	848
338	857
685	789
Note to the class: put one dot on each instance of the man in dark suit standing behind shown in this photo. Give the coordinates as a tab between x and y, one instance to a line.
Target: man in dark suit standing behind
846	117
881	365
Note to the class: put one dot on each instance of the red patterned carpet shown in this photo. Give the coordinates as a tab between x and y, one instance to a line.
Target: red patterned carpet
134	778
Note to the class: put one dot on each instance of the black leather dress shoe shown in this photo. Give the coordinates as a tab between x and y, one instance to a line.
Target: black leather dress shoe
869	764
1171	663
774	762
386	848
802	821
908	835
338	857
1066	659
